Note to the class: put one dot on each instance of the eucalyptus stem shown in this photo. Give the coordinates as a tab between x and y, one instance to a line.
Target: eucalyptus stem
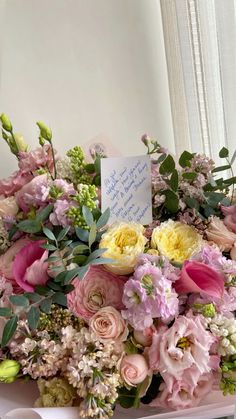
54	161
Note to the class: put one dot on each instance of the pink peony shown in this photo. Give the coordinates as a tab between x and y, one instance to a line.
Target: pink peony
184	345
8	207
134	369
99	288
182	394
108	325
30	194
33	160
230	217
219	234
15	182
30	266
198	277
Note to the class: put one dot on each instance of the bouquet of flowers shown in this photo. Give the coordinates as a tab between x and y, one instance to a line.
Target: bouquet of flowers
101	314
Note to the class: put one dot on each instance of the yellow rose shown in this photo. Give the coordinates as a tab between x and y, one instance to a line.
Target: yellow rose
176	241
124	243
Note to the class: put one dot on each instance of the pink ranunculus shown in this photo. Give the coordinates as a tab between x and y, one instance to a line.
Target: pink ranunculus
30	266
230	217
8	207
134	369
186	344
198	277
108	325
99	288
33	160
182	394
13	183
7	259
219	234
29	194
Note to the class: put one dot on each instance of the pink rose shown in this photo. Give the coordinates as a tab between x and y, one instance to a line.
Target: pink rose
15	182
30	193
134	369
108	325
30	266
7	259
33	160
144	337
182	394
230	217
219	234
8	207
99	288
184	345
198	277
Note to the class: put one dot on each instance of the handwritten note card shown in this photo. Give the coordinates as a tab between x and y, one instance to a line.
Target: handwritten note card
126	188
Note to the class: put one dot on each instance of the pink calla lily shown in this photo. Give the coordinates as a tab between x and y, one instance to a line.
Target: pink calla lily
197	277
30	266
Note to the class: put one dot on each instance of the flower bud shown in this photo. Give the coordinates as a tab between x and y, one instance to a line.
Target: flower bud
20	143
6	123
45	132
146	140
9	370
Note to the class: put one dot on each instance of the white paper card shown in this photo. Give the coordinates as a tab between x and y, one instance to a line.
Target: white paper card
126	188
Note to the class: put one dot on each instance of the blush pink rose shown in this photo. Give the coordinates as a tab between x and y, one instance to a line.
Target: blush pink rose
8	207
7	259
198	277
15	182
184	345
230	217
144	337
33	160
219	234
134	369
29	194
30	266
99	288
108	325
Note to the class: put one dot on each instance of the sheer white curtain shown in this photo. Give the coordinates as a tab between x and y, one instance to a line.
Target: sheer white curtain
200	40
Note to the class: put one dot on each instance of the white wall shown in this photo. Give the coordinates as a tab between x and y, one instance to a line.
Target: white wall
87	68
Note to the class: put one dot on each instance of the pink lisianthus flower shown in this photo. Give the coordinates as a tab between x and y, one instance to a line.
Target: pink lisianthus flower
30	266
30	194
184	345
200	278
41	157
12	184
230	217
182	394
99	288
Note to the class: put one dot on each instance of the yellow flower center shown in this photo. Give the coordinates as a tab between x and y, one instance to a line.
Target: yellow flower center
125	238
183	343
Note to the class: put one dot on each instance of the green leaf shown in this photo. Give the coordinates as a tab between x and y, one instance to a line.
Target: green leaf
68	288
127	397
60	277
168	165
185	159
90	168
60	298
82	271
97	165
171	202
33	317
221	168
174	181
80	248
103	220
49	246
214	198
230	181
13	231
96	180
224	152
5	311
29	226
54	286
191	202
161	158
42	290
96	254
63	233
49	234
44	213
32	296
71	275
101	261
88	216
82	234
19	300
9	330
189	175
45	305
92	234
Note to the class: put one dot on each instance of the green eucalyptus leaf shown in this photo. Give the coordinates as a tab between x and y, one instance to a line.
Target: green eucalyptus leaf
54	286
191	202
96	254
48	246
101	261
224	152
46	305
63	233
44	213
82	234
92	234
103	219
19	300
41	289
167	166
174	181
88	216
29	226
33	316
49	234
60	277
68	288
221	168
9	330
5	312
60	298
82	271
32	296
